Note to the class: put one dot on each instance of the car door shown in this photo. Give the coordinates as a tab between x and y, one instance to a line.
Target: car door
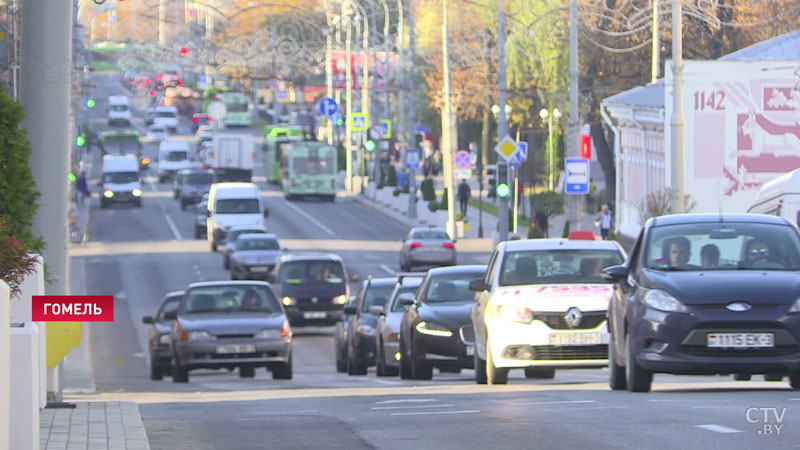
352	320
619	308
482	299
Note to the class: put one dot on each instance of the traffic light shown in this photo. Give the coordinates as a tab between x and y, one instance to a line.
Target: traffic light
81	141
71	177
369	145
502	189
339	121
184	51
90	103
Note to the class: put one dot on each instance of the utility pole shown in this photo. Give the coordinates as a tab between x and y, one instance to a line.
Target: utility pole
447	127
573	150
502	122
676	125
348	146
133	21
401	67
329	68
162	32
656	43
412	114
376	152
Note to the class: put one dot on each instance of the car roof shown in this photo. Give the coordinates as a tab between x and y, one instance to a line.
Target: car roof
172	144
257	236
310	257
200	284
382	281
448	270
410	280
194	170
559	244
247	227
676	219
429	229
174	294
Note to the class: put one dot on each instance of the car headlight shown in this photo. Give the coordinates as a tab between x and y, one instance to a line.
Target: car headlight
270	333
365	329
340	299
433	329
137	192
164	339
108	193
198	335
515	313
288	301
795	306
660	300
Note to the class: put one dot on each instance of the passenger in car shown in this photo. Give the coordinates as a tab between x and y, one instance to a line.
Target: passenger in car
252	301
677	251
525	272
591	267
709	256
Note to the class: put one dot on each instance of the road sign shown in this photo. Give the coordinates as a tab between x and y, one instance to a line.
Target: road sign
462	160
283	94
577	176
462	174
328	107
506	148
586	146
217	110
522	150
359	122
412	159
386	124
514	161
376	132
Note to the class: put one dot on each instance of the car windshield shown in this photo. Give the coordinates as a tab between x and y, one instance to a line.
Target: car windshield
157	130
119	108
324	272
556	266
120	177
257	244
450	288
233	234
177	156
728	246
166	114
170	307
396	305
376	296
431	234
238	206
199	178
230	298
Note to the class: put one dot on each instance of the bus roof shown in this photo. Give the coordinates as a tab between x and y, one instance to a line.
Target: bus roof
276	131
119	134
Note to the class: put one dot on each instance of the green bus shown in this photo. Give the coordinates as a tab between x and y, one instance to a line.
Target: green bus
124	141
239	109
276	139
310	170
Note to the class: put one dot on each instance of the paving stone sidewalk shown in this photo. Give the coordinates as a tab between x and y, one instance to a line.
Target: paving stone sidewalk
93	426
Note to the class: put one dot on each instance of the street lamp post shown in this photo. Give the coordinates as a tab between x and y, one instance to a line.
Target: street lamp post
545	115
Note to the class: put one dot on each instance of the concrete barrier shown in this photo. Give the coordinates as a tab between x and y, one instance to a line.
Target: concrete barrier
5	365
24	398
21	312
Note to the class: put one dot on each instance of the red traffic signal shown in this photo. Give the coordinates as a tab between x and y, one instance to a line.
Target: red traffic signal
586	146
184	51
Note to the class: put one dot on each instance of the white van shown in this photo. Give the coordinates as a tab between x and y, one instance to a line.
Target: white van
120	182
172	157
780	197
167	116
231	204
119	110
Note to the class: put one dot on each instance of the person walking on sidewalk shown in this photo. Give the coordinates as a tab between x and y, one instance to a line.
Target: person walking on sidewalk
464	193
604	221
83	187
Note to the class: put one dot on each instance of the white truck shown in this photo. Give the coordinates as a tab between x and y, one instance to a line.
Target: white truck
232	156
780	197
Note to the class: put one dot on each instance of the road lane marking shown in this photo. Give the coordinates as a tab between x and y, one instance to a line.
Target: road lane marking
407	400
387	269
446	405
565	402
311	219
387	382
431	413
172	226
718	429
593	408
794	399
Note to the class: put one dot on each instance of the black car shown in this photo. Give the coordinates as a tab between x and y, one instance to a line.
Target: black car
340	339
361	322
254	256
200	219
436	329
707	294
312	287
192	184
158	341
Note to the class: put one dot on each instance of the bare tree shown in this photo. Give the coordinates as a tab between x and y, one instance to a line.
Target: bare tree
659	203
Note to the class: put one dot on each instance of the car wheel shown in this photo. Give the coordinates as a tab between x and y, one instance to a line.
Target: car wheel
405	363
103	204
174	194
794	379
616	373
638	379
183	205
341	364
226	263
233	275
494	375
283	371
379	365
420	368
773	377
480	369
179	373
742	376
213	246
247	372
540	374
354	366
155	371
138	204
196	232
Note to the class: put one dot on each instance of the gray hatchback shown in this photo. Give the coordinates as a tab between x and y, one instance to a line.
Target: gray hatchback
427	247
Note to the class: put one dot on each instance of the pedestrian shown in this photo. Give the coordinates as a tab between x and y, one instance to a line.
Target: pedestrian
83	187
464	193
604	221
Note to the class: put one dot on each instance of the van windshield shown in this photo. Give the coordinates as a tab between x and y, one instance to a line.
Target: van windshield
238	206
324	272
199	178
176	156
119	108
120	177
166	114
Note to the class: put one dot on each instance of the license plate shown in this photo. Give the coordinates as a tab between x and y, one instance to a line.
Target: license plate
740	340
575	338
470	350
314	315
258	269
236	348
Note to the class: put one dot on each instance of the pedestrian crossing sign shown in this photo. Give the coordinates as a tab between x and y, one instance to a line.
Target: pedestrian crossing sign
360	122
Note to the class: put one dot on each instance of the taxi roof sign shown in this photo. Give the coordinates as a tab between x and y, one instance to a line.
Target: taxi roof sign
582	235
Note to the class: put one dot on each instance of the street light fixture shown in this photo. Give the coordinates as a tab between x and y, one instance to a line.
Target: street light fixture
545	115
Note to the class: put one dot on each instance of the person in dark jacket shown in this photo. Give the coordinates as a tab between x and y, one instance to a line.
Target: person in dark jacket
464	193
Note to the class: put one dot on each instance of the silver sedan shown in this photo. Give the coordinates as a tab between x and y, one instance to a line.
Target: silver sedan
427	247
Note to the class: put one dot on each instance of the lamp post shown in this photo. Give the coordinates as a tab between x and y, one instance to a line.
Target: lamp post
545	115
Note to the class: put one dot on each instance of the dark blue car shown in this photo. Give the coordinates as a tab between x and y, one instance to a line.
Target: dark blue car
707	294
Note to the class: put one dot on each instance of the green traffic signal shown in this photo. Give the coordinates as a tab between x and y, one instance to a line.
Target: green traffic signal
369	145
502	190
90	103
81	141
339	121
71	177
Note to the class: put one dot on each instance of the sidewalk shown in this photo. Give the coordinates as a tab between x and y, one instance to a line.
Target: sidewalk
93	426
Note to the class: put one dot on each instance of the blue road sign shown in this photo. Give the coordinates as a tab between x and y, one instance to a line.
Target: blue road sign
282	94
412	159
514	161
577	171
328	107
522	150
463	160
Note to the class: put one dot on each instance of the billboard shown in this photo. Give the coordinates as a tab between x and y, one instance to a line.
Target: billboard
742	129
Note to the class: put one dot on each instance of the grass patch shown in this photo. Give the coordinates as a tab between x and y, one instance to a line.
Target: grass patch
491	208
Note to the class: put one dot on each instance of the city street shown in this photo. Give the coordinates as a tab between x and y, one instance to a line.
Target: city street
140	254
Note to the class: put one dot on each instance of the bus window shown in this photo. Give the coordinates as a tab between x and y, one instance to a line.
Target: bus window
281	149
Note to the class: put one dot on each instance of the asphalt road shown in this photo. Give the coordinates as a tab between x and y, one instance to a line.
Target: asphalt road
138	255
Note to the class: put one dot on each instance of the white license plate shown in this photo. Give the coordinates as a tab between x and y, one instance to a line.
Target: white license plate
576	338
740	340
314	315
470	350
236	348
259	269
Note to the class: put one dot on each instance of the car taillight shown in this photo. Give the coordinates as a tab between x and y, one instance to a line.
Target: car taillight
415	245
180	83
209	119
195	120
448	245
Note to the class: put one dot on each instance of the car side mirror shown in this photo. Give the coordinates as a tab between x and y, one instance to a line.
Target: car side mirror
148	320
406	299
376	309
349	310
615	273
477	285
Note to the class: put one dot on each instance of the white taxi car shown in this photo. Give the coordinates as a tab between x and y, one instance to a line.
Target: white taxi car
542	306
